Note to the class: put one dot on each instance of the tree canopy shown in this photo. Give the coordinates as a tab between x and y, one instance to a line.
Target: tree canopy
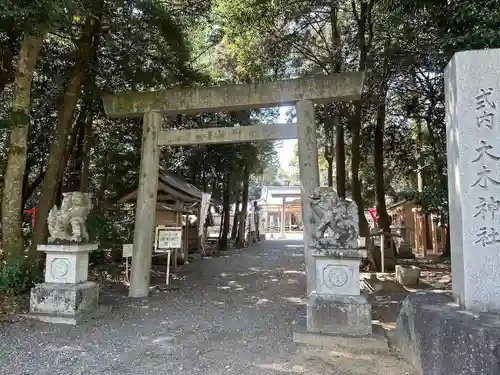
57	59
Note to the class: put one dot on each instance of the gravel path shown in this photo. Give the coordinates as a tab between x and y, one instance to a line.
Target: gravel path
232	314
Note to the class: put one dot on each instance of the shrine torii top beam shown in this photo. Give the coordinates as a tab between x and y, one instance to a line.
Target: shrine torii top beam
320	89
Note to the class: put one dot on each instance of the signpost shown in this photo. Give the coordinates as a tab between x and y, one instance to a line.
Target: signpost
166	240
127	251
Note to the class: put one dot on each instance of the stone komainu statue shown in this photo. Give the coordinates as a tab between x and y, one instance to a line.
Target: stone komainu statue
68	222
334	220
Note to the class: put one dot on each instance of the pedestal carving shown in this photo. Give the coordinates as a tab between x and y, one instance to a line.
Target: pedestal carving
59	267
336	276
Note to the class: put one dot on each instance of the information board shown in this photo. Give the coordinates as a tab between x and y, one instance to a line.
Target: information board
168	238
127	250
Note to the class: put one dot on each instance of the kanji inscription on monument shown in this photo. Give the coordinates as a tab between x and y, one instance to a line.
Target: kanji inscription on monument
472	92
485	107
485	236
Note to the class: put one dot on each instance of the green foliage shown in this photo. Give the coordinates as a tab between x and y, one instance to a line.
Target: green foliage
460	25
41	15
16	277
110	228
432	200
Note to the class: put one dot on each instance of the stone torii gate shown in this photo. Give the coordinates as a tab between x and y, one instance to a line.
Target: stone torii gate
302	93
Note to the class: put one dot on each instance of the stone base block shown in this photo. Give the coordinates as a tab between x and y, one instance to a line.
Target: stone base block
376	342
408	275
64	300
439	338
340	315
72	320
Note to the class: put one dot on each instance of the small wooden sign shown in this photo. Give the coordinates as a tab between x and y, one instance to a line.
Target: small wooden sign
168	238
127	250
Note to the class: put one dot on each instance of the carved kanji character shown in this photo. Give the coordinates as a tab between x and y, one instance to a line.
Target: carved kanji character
482	100
483	178
481	208
487	237
484	149
494	207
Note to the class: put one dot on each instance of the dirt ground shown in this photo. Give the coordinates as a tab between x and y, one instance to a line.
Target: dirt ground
387	294
232	313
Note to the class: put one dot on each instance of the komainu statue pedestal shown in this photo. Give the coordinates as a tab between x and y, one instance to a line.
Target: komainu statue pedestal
66	296
336	306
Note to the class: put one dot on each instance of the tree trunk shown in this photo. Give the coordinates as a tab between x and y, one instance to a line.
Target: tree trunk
328	151
226	198
340	169
12	197
363	20
29	188
244	209
383	217
447	248
234	228
329	161
88	140
75	150
55	167
87	148
221	225
355	164
340	159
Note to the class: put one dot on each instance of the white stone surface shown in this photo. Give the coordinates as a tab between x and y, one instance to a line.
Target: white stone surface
63	299
339	314
70	268
66	294
338	276
239	134
67	264
68	248
472	92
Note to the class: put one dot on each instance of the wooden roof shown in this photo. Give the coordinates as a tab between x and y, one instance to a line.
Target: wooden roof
171	188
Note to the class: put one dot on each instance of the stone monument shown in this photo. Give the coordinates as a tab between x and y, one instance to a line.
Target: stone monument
473	114
439	334
336	306
66	296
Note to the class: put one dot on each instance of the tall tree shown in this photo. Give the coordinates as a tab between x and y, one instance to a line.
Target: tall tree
87	47
12	198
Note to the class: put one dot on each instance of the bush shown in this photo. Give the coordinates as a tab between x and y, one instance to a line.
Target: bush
109	228
17	277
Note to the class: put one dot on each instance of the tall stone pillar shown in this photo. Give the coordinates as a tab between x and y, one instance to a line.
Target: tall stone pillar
145	207
309	177
472	93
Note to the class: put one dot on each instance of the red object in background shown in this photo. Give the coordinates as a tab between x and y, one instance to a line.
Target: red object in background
31	212
373	214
